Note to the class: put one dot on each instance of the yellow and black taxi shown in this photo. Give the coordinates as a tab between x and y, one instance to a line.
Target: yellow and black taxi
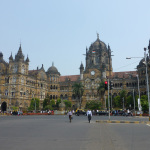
80	112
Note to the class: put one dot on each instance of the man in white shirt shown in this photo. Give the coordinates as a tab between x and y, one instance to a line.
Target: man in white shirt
89	114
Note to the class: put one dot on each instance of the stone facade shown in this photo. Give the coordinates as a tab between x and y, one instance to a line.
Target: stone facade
18	84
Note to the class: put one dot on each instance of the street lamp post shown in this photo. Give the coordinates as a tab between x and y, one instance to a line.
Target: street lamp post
0	102
123	102
145	56
35	104
108	101
147	84
134	102
139	102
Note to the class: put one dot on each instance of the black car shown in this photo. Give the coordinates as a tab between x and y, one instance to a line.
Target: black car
104	113
80	112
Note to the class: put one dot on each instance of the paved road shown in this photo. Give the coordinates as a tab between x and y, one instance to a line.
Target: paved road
56	133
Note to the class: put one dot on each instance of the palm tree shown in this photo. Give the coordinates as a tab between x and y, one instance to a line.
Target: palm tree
78	90
101	88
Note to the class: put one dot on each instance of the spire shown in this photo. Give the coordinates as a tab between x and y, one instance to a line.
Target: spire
149	48
19	54
52	63
108	47
1	55
81	66
11	58
27	60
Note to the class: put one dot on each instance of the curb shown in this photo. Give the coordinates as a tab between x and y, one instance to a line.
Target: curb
115	121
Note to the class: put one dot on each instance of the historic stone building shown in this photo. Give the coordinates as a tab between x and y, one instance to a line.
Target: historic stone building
18	84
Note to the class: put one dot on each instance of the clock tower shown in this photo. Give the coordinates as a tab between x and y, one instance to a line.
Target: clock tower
97	68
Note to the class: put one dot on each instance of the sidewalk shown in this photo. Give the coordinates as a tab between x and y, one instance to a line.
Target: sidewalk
122	121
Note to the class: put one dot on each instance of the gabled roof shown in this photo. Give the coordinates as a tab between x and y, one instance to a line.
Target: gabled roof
33	72
123	74
72	78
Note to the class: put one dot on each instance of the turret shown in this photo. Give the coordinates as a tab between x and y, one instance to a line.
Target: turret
11	58
149	48
81	71
19	55
27	60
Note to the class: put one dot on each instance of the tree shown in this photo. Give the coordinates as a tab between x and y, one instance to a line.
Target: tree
144	103
32	104
67	104
123	95
78	90
58	102
130	101
46	102
101	88
93	105
117	103
52	103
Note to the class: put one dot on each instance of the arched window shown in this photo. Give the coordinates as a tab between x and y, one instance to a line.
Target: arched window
22	80
6	92
61	96
66	97
14	79
50	96
27	93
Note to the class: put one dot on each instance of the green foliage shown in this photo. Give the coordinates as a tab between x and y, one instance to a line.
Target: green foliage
123	93
58	102
117	102
78	90
52	102
48	104
68	104
48	107
46	101
144	103
129	101
101	87
15	108
32	104
93	105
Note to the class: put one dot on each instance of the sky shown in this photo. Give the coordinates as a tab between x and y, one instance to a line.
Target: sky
60	30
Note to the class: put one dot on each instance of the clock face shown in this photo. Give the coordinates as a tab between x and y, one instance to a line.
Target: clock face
92	73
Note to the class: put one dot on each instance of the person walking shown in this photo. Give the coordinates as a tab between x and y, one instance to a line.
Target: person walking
70	115
89	114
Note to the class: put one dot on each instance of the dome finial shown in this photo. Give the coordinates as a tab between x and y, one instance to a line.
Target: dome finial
97	35
52	63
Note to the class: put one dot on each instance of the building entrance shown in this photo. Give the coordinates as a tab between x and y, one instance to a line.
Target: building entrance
4	107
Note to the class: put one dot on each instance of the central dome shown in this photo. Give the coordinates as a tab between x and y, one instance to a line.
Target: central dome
53	70
98	45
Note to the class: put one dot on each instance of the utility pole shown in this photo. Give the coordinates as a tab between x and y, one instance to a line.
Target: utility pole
145	55
123	102
134	101
108	101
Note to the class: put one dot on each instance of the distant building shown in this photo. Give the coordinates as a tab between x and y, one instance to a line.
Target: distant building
18	84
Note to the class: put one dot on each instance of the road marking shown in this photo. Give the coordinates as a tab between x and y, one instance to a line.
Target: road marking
148	125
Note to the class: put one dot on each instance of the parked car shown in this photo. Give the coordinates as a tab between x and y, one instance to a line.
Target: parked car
80	112
118	112
102	112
